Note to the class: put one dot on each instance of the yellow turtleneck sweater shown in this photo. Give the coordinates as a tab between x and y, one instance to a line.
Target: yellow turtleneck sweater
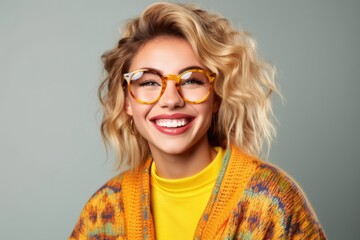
177	204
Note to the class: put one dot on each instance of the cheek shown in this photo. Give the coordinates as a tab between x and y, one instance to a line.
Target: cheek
212	104
206	112
137	110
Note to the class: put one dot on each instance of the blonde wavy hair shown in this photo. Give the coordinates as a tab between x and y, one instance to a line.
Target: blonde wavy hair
243	86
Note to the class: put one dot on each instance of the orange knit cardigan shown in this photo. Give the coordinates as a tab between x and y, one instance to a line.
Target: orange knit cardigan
250	200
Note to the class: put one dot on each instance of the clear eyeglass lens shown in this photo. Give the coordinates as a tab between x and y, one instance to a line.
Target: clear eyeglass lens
146	85
194	86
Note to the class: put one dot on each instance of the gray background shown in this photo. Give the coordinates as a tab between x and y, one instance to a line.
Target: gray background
51	154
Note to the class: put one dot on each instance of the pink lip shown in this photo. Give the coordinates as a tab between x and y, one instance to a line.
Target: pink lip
173	131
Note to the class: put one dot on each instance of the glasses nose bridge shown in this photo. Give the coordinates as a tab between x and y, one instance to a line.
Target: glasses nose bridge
173	77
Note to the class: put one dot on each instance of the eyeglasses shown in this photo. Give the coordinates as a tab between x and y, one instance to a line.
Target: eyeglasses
146	86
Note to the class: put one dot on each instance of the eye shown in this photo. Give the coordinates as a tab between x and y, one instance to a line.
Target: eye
149	83
192	81
148	79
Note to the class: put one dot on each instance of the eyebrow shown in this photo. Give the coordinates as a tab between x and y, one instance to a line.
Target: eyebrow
180	71
188	68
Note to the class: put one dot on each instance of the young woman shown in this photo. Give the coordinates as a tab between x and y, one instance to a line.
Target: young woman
187	107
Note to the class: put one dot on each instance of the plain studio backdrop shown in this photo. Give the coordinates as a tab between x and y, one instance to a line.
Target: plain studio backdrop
52	158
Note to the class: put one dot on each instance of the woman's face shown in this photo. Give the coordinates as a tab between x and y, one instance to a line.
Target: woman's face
170	125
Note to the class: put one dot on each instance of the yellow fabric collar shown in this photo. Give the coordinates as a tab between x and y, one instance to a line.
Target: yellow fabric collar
190	185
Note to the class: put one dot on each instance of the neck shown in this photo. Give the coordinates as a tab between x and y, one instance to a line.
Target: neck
185	164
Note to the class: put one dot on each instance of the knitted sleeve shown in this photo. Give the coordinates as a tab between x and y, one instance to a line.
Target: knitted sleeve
102	216
274	207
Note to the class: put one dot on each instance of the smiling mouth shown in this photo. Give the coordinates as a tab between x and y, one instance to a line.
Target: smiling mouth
172	123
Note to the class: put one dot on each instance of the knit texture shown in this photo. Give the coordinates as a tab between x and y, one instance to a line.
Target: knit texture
250	200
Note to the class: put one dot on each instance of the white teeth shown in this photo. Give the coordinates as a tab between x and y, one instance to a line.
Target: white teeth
171	123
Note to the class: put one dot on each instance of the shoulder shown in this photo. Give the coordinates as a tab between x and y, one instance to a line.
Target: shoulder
274	195
101	213
270	180
114	189
110	189
107	199
262	178
104	214
273	184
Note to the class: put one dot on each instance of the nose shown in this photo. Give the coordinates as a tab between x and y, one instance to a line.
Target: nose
171	97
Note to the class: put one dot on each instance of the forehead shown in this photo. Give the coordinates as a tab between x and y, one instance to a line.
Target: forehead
167	54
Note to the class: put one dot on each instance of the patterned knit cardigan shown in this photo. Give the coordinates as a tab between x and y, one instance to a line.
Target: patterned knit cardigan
250	200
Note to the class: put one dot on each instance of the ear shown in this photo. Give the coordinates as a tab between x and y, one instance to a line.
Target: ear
128	107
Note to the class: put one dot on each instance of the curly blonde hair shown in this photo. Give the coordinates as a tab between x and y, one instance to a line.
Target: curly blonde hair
243	86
